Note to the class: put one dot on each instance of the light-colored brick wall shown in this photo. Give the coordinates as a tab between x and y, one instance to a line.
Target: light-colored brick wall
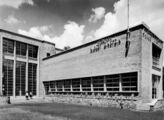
44	49
81	63
145	89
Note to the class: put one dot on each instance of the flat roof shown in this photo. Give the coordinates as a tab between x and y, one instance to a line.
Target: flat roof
59	49
140	26
17	34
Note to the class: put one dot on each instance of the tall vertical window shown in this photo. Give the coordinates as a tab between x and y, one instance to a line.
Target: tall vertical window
21	48
32	51
155	83
156	54
8	77
8	46
20	78
32	77
46	87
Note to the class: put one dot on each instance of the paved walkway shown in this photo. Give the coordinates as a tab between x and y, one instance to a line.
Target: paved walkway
18	100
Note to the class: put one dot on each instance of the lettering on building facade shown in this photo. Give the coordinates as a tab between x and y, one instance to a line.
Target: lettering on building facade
152	39
105	44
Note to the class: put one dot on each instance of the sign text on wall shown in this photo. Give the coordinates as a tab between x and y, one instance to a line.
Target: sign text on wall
105	44
154	40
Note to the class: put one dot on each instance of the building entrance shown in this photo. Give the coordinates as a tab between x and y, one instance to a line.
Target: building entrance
155	82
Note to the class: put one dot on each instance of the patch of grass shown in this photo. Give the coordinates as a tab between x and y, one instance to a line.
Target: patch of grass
76	112
19	114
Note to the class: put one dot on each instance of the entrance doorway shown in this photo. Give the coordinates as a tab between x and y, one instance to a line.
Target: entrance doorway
46	87
155	82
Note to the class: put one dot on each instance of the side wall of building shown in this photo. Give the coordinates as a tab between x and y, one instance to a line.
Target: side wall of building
44	49
86	62
148	69
145	84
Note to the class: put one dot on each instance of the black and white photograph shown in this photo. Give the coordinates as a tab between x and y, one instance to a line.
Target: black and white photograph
81	59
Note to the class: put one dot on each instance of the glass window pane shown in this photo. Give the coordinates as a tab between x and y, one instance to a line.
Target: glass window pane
8	46
21	48
129	81
32	51
8	77
20	78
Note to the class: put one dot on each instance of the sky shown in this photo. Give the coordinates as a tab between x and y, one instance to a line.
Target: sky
76	22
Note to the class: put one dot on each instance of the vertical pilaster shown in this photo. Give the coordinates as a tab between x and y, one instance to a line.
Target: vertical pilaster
27	69
80	85
91	84
105	84
120	83
14	70
71	85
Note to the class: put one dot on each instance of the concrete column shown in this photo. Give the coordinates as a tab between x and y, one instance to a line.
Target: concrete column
27	69
71	86
105	84
92	85
120	83
81	85
14	70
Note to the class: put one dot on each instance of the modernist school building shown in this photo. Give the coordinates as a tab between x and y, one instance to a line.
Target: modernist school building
20	63
105	66
108	66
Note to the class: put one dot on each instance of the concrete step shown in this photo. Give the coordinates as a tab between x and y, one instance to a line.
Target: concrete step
145	104
20	99
143	107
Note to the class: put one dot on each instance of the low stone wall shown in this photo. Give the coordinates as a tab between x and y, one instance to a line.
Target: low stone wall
101	102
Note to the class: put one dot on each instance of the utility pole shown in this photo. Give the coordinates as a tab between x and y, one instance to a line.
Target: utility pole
128	15
127	44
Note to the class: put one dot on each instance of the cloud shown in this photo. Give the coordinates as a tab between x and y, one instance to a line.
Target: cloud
72	35
36	32
149	11
15	3
98	13
11	19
